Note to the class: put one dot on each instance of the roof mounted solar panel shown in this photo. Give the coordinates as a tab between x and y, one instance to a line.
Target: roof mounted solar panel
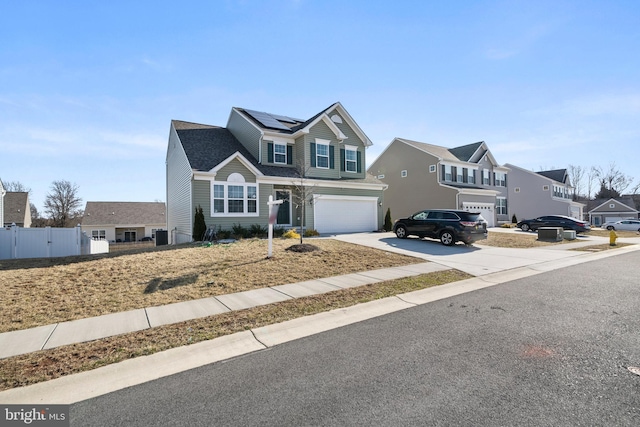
286	119
266	119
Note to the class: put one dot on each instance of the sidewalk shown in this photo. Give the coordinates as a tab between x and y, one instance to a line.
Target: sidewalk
76	331
477	261
494	265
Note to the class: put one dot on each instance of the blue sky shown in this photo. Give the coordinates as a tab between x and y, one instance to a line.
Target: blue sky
88	89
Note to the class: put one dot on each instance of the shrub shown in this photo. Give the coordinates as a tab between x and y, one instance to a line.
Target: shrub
388	225
199	226
224	234
239	231
278	231
291	234
257	230
311	233
514	220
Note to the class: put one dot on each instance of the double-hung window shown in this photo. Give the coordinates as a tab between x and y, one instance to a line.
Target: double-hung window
98	234
471	176
350	159
460	174
501	205
280	153
485	177
501	179
447	173
322	156
234	198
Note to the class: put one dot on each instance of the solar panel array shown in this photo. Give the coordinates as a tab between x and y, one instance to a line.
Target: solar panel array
271	120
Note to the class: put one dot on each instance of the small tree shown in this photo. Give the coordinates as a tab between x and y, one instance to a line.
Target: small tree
199	226
388	225
62	204
303	193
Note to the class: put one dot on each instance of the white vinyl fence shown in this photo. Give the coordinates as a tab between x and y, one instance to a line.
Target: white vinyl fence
18	242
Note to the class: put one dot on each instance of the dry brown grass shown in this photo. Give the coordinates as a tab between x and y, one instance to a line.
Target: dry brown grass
605	233
514	240
38	292
45	365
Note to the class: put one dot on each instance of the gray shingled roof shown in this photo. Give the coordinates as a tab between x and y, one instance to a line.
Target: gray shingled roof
124	213
558	175
465	152
15	205
207	146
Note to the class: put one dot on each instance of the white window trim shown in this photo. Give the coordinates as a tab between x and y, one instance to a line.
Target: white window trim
499	205
448	173
226	199
101	234
279	144
403	173
487	177
354	162
322	142
432	168
501	179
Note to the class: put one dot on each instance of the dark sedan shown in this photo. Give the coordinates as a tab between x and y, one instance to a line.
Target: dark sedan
566	222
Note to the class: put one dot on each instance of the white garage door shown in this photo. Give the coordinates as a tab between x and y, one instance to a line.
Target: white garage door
342	214
485	209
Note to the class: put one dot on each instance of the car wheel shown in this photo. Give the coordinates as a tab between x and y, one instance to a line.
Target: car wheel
525	227
446	238
610	228
401	232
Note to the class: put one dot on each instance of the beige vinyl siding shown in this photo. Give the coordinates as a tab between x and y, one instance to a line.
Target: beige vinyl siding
245	132
179	178
321	131
419	190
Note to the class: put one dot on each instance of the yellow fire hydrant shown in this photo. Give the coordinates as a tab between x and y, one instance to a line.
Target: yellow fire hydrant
612	238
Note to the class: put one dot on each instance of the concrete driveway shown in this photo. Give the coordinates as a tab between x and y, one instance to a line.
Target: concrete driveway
476	259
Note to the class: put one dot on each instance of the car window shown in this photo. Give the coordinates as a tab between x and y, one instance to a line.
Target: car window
435	215
420	216
450	215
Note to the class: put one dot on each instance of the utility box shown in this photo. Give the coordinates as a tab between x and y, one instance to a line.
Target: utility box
569	234
162	237
550	234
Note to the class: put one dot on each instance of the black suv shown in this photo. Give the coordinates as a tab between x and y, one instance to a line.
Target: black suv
450	226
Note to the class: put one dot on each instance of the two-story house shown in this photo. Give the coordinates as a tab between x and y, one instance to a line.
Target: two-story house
231	171
425	176
534	194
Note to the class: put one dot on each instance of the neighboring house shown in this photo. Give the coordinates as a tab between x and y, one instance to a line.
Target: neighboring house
424	176
534	194
123	221
231	172
16	209
603	210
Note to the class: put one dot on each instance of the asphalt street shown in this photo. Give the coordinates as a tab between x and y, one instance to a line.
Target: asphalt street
549	350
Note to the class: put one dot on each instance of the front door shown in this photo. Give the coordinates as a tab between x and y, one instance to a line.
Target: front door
284	212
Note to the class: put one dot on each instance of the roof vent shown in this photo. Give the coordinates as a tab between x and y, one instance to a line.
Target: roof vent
336	118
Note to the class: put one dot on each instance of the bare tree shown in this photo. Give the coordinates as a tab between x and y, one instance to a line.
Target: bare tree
592	177
15	186
615	180
576	175
303	193
62	203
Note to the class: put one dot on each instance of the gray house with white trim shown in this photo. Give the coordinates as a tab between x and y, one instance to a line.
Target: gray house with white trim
231	171
611	210
425	176
533	194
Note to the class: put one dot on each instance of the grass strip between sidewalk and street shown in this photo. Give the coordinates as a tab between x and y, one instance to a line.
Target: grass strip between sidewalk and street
32	368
